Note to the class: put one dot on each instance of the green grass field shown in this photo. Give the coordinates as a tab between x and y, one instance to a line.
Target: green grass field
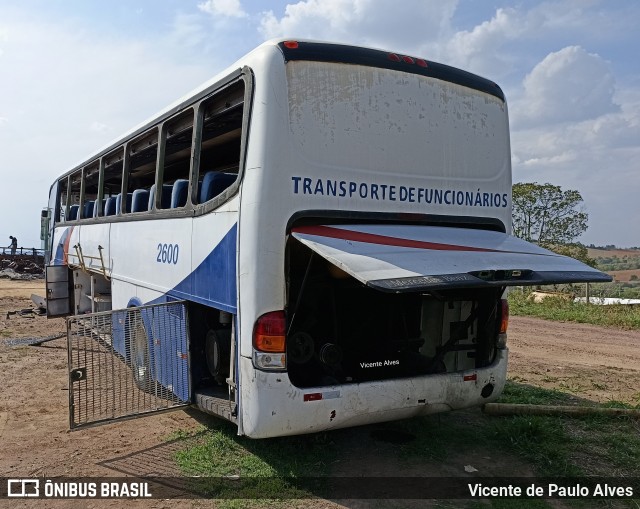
626	317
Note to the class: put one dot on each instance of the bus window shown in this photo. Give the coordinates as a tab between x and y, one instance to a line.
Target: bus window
74	195
177	161
143	153
112	186
61	214
91	187
220	144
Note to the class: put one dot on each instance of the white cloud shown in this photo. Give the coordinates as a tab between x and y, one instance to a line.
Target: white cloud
188	30
596	156
408	26
478	49
591	142
99	127
230	8
503	47
568	85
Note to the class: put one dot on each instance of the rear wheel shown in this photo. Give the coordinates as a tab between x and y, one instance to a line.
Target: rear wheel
218	354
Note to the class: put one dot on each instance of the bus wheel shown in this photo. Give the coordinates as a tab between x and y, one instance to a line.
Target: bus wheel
138	346
218	353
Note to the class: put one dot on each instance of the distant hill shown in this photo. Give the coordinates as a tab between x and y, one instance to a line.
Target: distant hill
622	264
611	252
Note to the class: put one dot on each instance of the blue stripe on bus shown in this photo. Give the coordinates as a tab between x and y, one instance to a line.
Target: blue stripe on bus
213	282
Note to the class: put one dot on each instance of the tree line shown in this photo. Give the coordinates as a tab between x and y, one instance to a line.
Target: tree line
551	217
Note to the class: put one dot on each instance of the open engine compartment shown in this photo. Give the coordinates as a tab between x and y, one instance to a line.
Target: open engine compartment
342	331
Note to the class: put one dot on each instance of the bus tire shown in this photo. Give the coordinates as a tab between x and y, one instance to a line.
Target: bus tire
218	353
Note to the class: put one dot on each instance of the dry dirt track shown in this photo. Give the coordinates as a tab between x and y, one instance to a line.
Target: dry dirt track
592	362
595	363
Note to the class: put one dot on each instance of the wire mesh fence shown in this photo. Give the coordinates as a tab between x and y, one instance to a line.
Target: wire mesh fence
129	362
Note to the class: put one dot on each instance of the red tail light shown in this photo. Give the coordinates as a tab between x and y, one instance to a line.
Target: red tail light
269	332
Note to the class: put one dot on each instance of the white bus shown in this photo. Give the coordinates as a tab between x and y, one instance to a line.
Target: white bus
335	221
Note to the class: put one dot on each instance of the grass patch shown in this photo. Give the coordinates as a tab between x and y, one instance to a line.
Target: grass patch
266	466
555	444
542	442
531	395
534	445
553	308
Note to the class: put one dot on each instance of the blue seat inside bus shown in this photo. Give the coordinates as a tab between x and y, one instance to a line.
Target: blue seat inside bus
214	183
140	200
179	193
73	212
166	196
127	205
88	209
110	206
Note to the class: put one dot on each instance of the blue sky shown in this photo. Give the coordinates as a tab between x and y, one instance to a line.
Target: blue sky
76	74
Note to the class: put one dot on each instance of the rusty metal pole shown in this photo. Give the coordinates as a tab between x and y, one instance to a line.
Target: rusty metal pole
587	292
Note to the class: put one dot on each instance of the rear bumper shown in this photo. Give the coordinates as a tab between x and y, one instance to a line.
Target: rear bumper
272	406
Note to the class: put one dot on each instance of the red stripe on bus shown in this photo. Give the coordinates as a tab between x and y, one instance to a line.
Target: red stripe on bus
372	238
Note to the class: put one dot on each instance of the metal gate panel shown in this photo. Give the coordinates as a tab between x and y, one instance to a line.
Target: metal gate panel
127	363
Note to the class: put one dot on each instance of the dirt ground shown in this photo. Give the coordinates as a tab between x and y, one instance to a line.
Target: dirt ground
596	363
624	275
592	362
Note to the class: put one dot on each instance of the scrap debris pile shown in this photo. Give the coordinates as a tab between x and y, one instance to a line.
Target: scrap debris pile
24	267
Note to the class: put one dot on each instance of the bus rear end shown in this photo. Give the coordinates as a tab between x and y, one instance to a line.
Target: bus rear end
375	255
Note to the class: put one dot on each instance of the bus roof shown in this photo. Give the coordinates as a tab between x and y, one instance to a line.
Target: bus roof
300	49
340	53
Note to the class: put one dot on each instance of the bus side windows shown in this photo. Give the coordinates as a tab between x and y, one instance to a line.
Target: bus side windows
73	197
163	154
140	172
220	144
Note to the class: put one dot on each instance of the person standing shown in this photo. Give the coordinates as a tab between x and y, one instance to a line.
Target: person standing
13	245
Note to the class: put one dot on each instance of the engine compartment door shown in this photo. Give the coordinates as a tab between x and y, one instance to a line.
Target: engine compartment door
409	258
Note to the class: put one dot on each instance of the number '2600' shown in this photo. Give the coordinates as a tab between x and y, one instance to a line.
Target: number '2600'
168	253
